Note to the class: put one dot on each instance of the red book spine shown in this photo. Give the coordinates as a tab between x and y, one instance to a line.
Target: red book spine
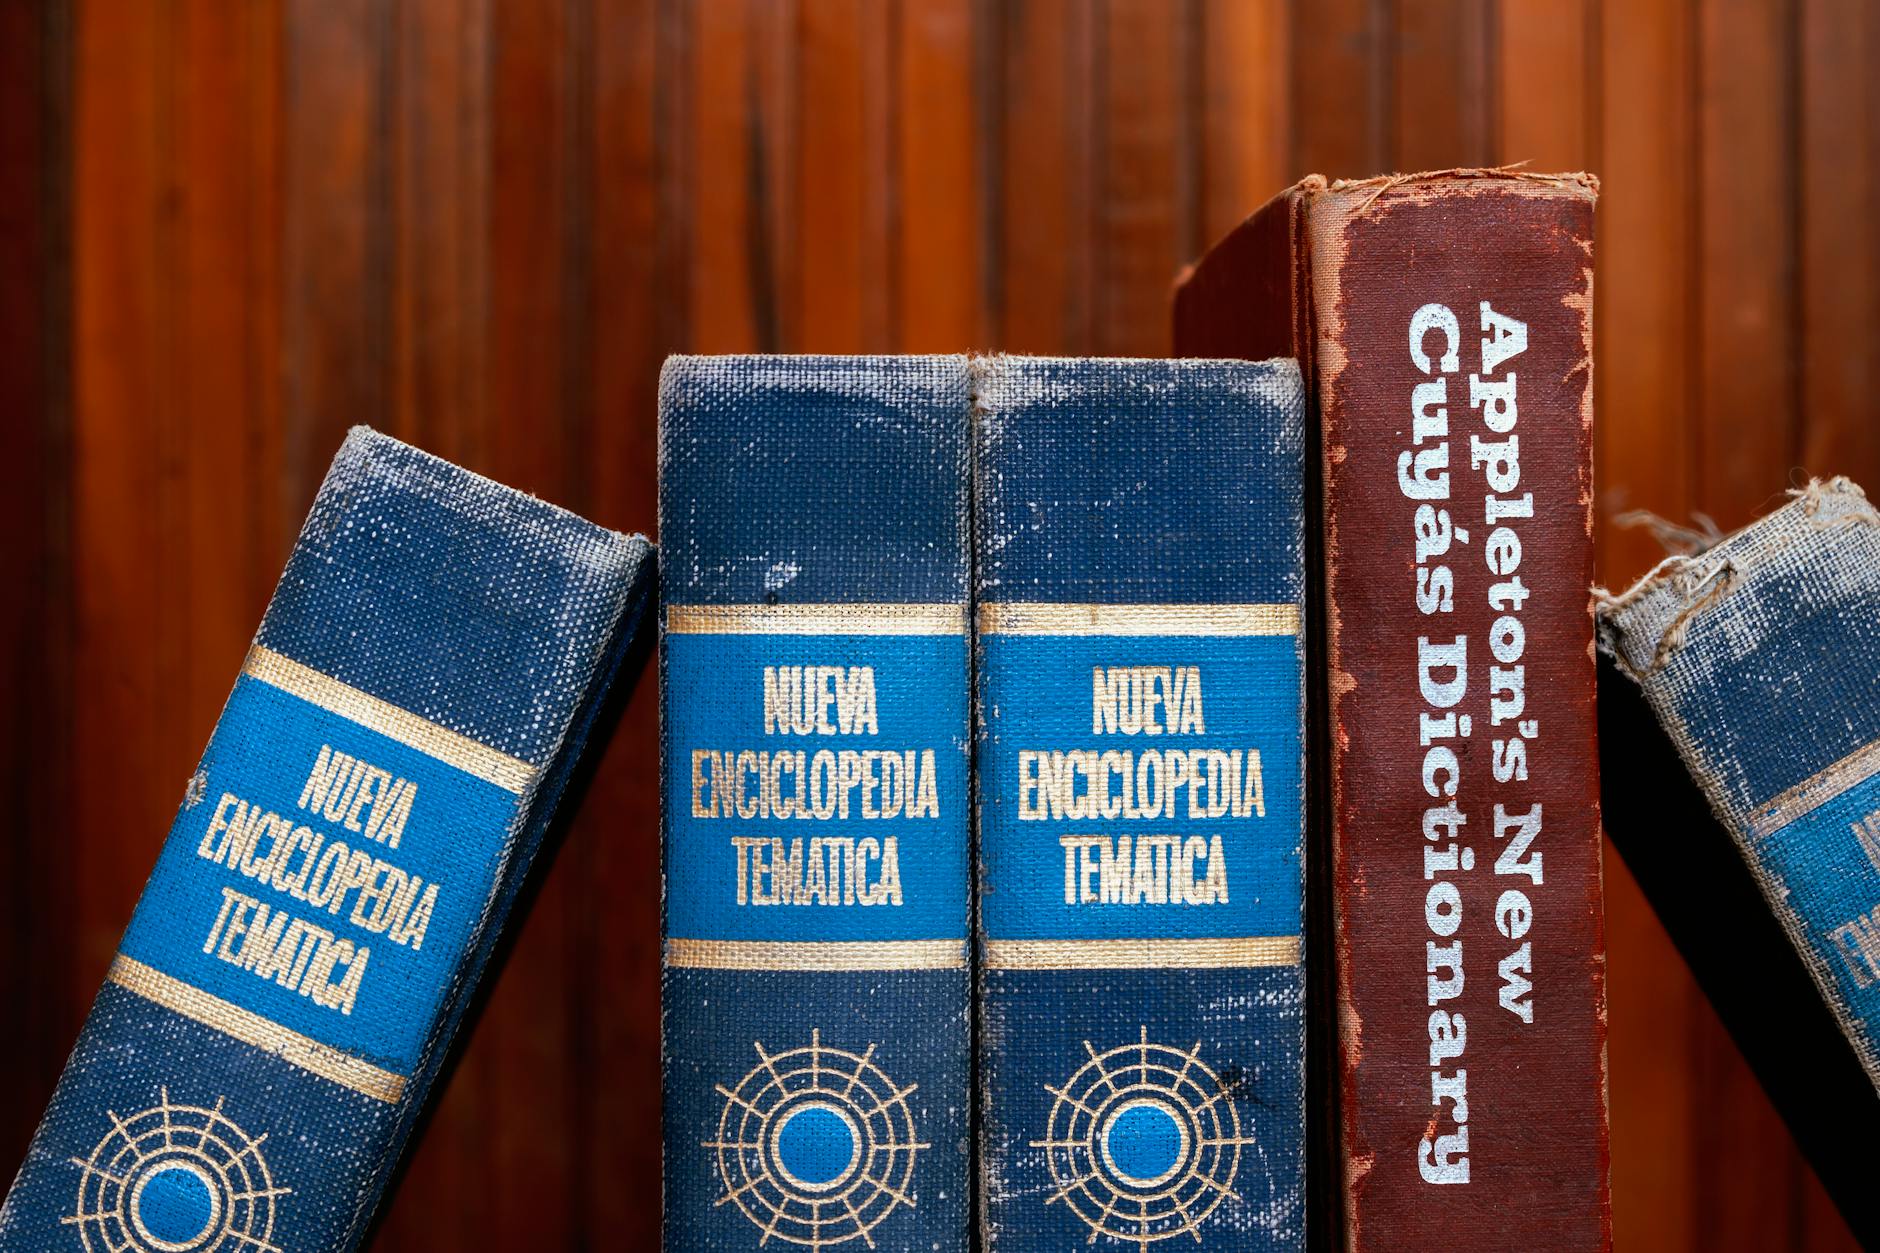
1451	351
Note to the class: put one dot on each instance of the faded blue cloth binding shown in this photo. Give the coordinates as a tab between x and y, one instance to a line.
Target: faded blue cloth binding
1139	533
342	864
815	995
1761	658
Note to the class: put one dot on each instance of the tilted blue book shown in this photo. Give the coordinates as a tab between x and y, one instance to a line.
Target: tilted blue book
338	872
1760	657
1139	536
815	692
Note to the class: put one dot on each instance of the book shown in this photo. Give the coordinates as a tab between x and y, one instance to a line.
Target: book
1445	325
815	693
1139	780
1758	656
340	867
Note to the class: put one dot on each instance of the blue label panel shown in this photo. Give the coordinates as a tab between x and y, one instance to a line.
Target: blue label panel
816	787
1828	860
323	876
1137	787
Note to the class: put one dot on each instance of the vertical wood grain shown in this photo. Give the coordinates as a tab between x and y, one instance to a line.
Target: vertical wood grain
1246	94
1840	239
730	283
336	232
1746	385
1446	92
1343	88
1142	72
439	141
482	223
1546	95
119	393
1046	176
842	125
939	226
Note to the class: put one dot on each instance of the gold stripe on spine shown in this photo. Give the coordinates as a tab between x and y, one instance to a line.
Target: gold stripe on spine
815	955
1817	790
512	774
251	1028
835	619
1028	618
1254	950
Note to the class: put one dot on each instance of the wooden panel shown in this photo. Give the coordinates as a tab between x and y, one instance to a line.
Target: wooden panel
1445	94
1246	110
1046	177
938	234
1342	66
1746	384
1143	159
482	224
1839	355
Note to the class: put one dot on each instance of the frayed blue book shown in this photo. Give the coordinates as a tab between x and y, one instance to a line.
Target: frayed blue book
815	998
1140	574
343	861
1760	657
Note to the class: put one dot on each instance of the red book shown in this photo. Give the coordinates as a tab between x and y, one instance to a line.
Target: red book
1444	322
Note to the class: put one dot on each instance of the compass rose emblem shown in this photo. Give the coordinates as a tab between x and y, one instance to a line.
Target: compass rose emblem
1144	1142
816	1145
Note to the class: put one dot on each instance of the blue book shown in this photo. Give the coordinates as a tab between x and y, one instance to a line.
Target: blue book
341	865
1760	657
1140	572
816	1007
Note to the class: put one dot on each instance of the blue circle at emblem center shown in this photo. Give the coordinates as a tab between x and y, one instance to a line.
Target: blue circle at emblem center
175	1206
816	1146
1144	1142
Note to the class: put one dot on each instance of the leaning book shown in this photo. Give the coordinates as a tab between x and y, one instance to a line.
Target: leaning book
340	867
1759	656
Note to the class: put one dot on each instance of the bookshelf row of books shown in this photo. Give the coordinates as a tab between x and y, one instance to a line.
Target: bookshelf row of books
1105	802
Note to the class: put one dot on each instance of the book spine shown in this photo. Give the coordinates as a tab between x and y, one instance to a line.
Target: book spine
1453	318
341	864
815	990
1758	657
1139	804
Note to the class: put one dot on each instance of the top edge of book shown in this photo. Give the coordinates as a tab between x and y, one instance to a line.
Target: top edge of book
1517	179
1328	198
1634	623
1572	182
367	452
403	553
842	365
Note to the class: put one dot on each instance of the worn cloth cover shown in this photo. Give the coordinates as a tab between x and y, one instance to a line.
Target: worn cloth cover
341	865
1761	658
1140	579
1445	322
816	1015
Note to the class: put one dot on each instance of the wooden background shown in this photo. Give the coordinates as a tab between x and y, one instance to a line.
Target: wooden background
229	229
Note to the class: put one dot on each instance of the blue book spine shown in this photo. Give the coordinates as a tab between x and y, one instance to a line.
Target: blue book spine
1139	586
341	864
815	694
1759	657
